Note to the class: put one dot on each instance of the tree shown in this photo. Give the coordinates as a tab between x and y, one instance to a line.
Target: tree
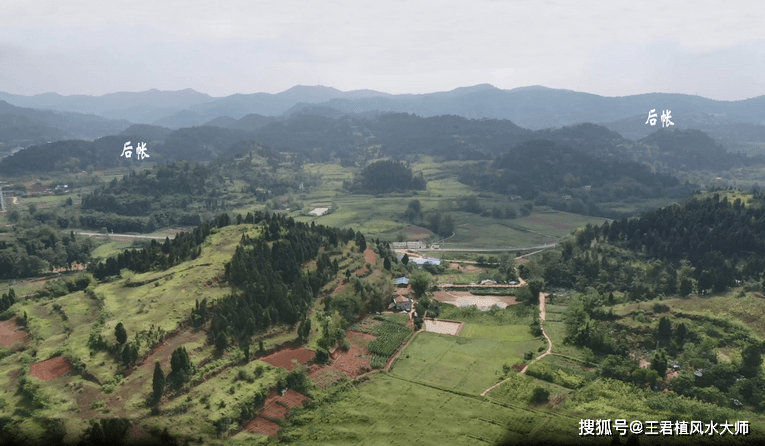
751	358
413	211
659	362
121	333
540	395
386	264
221	341
158	383
405	259
665	327
535	287
420	282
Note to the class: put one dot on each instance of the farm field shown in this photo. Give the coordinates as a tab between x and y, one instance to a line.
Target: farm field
459	363
383	216
391	411
511	333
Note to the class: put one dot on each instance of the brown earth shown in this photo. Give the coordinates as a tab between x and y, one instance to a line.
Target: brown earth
165	350
353	363
9	334
451	296
52	368
370	256
416	232
466	267
356	361
263	426
276	406
283	358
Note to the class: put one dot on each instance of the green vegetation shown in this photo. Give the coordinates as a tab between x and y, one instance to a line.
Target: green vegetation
458	363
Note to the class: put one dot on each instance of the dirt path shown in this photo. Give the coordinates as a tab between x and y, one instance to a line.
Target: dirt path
542	298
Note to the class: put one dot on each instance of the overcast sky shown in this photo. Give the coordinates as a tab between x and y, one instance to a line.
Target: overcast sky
715	49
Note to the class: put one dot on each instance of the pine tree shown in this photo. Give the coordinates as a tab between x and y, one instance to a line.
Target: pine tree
121	333
158	383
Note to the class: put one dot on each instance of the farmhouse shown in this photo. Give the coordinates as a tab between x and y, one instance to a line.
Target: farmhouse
402	281
402	303
409	245
426	261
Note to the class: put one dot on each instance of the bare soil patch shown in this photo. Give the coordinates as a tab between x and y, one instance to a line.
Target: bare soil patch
10	333
325	376
466	267
165	350
52	368
356	361
444	327
370	256
283	358
466	298
416	232
263	426
276	406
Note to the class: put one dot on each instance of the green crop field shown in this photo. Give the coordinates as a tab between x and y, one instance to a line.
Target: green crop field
510	333
391	411
459	363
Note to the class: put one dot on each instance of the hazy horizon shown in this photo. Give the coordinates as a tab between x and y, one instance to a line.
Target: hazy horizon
608	49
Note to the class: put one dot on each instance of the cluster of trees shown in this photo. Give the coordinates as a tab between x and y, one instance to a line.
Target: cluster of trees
535	167
702	244
387	176
35	248
184	246
7	300
267	275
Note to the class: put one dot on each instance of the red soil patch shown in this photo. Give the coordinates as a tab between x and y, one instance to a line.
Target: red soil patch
284	357
356	361
370	256
518	367
51	369
9	333
262	426
276	406
548	223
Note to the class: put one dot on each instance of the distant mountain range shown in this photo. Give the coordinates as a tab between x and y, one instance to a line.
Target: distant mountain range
738	122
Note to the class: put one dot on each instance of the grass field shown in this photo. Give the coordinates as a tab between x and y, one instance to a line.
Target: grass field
391	411
459	363
383	216
511	333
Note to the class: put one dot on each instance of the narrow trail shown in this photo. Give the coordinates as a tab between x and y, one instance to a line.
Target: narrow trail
542	305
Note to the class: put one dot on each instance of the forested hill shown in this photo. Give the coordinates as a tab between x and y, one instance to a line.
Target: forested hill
565	178
705	243
691	150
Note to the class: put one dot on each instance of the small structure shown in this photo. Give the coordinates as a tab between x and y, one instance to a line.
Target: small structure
402	303
425	261
402	281
488	282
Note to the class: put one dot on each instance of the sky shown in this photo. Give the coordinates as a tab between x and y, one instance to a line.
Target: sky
714	49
